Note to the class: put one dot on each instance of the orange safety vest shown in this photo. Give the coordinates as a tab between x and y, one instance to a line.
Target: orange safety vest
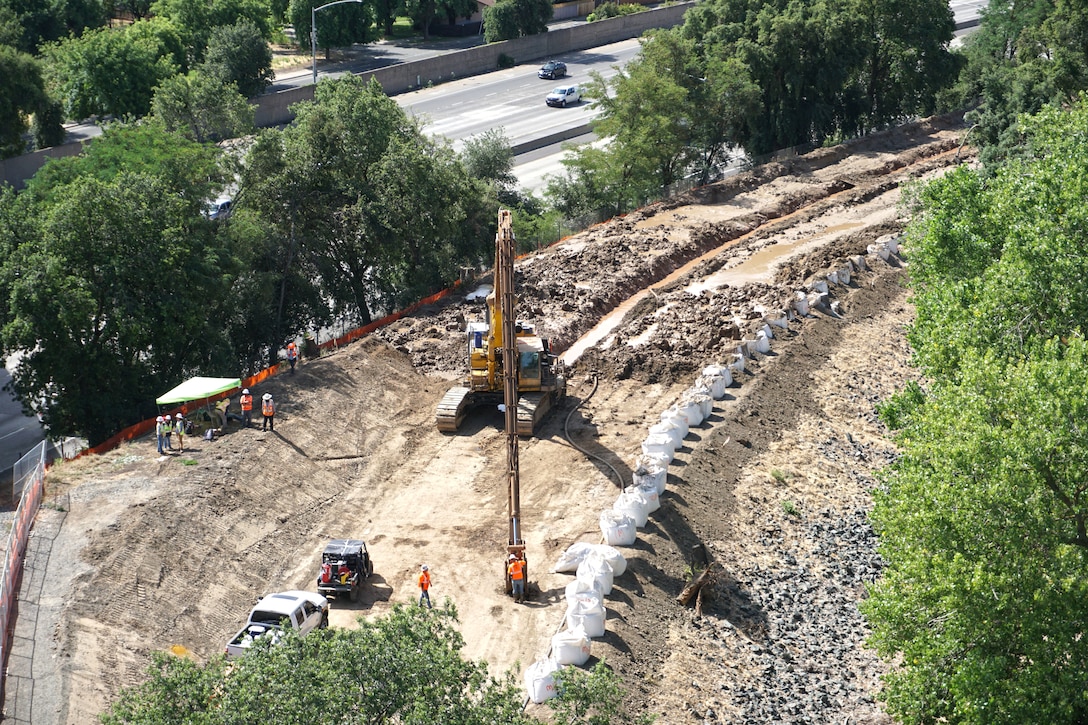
246	402
292	351
425	580
268	407
517	569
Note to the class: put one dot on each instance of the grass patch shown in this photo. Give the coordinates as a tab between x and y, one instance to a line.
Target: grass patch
779	476
402	29
188	461
790	508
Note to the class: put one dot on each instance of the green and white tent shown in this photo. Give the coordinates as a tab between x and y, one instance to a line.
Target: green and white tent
198	389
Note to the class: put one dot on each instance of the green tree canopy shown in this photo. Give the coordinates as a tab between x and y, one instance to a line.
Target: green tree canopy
115	286
202	108
238	54
41	22
196	19
337	26
112	72
984	520
22	92
509	19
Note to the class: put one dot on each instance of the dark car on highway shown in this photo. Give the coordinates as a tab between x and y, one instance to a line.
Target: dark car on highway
552	69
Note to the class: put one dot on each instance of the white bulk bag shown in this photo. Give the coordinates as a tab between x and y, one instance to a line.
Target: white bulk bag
800	302
572	557
633	505
692	412
649	493
673	413
613	557
596	571
653	475
540	680
617	528
649	460
703	400
570	647
670	429
658	443
587	617
763	343
583	590
714	384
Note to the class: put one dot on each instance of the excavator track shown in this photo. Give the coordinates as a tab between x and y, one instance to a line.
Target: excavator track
532	407
452	408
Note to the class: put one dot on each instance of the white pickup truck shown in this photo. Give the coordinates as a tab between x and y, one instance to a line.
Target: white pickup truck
304	611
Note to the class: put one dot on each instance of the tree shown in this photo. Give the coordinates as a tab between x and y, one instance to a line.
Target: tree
195	20
367	212
23	93
454	9
112	72
44	22
238	54
984	518
338	26
202	108
402	667
385	14
489	157
509	19
423	12
593	698
138	9
110	276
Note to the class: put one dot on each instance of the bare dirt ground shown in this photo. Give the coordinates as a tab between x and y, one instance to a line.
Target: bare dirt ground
158	553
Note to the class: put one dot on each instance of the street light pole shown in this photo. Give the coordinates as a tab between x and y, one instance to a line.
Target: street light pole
313	28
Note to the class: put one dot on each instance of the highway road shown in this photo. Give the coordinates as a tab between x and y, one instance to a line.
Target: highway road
18	433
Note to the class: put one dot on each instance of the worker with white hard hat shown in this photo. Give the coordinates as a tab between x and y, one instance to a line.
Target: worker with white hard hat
246	402
268	410
160	434
425	586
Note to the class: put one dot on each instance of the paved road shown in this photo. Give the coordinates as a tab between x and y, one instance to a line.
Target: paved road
18	433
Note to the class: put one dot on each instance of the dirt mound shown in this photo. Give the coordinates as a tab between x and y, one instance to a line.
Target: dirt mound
172	551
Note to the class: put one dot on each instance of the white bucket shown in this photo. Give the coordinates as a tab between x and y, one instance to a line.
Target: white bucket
588	617
597	572
540	680
651	476
670	429
570	647
653	498
617	528
632	504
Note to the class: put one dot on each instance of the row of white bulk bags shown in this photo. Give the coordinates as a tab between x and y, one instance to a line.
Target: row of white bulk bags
617	528
632	503
540	680
579	550
587	616
571	647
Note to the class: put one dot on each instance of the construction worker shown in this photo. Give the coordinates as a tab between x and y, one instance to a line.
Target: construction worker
246	401
168	430
425	586
179	428
160	435
516	569
268	410
292	355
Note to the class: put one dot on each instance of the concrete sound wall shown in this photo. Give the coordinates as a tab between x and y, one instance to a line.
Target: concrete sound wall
17	170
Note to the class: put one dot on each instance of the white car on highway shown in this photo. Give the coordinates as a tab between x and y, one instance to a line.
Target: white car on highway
564	96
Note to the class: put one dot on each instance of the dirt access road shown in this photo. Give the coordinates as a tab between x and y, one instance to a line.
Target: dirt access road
155	553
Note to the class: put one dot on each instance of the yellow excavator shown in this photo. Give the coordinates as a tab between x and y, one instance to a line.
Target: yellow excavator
540	382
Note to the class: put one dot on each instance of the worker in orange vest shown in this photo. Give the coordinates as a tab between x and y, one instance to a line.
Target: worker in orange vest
424	586
516	569
246	401
268	410
292	355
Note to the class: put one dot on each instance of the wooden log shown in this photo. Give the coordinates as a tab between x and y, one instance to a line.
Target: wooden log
692	589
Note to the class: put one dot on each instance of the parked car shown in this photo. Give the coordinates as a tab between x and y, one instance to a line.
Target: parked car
220	208
563	96
552	69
